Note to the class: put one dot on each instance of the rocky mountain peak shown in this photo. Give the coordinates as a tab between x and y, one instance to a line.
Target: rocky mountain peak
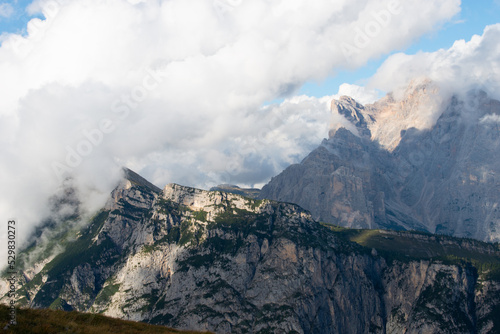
430	164
418	106
134	178
353	112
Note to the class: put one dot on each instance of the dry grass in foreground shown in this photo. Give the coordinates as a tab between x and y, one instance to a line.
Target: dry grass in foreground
49	321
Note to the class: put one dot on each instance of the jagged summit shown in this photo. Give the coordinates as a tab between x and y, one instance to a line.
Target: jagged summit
418	106
429	164
352	111
139	180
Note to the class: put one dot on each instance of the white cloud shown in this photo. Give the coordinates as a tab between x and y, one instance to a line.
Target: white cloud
245	149
174	88
490	118
6	10
361	94
464	66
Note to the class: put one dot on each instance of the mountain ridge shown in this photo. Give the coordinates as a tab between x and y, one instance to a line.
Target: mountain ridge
200	260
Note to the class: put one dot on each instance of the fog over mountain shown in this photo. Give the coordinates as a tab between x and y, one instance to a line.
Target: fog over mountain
96	86
176	93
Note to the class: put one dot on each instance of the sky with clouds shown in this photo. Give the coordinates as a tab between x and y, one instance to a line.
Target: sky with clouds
202	92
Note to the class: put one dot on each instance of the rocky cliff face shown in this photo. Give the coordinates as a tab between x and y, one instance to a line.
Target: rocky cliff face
215	261
403	169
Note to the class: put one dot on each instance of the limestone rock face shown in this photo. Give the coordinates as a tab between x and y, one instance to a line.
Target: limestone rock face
209	260
415	163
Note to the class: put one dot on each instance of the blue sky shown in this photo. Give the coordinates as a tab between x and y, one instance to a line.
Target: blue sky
16	22
473	18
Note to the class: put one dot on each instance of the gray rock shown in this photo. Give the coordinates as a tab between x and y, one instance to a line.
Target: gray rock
403	170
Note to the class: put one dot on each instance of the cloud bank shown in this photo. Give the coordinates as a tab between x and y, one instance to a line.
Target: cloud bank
464	66
174	89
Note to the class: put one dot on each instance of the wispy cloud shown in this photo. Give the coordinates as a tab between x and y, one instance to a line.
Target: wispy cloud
174	89
6	10
464	66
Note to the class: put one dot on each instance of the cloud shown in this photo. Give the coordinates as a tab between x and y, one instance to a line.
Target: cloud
490	118
6	10
174	89
462	67
361	94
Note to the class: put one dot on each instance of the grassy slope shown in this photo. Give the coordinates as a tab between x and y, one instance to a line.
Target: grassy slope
50	321
246	192
404	246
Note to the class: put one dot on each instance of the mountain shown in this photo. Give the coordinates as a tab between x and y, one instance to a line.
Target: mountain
210	260
408	163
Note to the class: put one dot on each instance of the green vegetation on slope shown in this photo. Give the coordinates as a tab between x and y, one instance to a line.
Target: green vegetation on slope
406	246
246	192
80	251
49	321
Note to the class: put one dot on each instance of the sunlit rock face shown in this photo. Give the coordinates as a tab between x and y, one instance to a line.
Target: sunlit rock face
210	260
417	161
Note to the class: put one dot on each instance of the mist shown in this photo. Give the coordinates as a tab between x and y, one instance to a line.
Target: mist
177	90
